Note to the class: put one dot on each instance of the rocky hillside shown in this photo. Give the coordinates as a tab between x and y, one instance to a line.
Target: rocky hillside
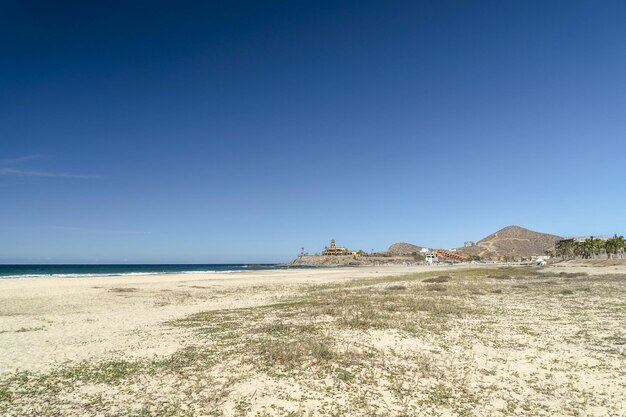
403	248
512	242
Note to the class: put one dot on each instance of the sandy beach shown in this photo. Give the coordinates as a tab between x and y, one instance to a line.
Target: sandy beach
484	340
48	321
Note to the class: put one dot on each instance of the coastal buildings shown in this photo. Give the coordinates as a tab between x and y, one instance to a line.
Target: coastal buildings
431	257
334	250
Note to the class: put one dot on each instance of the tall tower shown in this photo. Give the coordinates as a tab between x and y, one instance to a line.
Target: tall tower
332	244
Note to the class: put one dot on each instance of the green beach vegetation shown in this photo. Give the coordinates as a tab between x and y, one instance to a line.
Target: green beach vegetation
591	248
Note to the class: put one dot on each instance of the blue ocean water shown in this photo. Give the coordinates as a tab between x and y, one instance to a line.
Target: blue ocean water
68	271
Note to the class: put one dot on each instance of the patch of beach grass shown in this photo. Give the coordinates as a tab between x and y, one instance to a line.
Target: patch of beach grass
439	279
300	334
29	329
24	330
109	372
396	287
123	289
572	274
5	395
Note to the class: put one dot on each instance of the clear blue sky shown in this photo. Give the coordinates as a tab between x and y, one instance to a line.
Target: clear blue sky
240	131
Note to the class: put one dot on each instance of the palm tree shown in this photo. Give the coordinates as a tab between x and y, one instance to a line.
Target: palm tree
565	249
595	246
610	247
615	246
581	249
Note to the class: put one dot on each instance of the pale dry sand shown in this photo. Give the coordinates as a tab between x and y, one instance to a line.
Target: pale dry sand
48	321
369	341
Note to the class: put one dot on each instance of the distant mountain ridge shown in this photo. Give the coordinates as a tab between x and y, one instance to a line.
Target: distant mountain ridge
403	248
512	242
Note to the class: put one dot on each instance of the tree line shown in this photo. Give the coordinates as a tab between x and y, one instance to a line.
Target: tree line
592	248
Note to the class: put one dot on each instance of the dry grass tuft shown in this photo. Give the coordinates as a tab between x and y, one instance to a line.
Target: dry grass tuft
439	279
123	289
397	287
573	274
436	287
503	276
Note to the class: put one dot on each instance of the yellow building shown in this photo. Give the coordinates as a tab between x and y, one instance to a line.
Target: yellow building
334	250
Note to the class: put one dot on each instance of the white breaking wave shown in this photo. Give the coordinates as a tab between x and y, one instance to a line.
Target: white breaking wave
78	275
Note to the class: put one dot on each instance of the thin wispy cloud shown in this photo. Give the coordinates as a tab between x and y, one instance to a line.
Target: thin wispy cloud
98	231
27	173
8	169
12	161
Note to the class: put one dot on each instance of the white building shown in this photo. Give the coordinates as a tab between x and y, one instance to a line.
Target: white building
431	257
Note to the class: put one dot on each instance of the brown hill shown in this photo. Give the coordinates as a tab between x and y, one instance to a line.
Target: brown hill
513	242
403	248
